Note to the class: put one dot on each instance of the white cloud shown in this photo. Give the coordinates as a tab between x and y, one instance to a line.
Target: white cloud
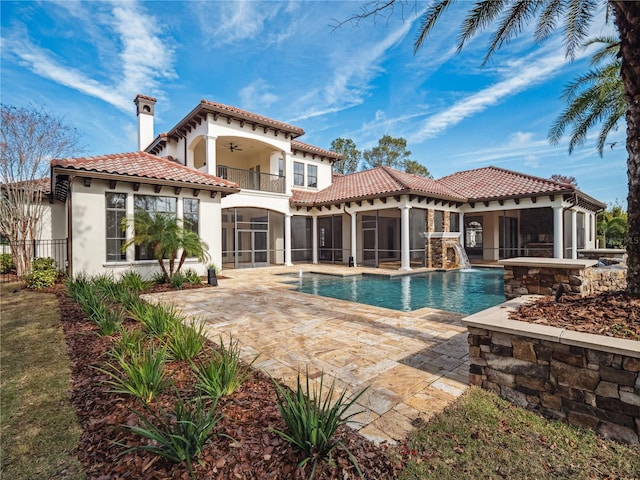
145	58
354	69
518	75
520	138
223	23
257	95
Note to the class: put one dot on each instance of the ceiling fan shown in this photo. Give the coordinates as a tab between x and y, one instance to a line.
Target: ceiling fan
234	147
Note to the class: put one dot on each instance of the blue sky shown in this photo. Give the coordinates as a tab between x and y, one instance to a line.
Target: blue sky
87	61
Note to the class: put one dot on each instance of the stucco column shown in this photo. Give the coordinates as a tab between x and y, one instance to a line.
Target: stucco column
405	244
558	232
131	250
314	239
288	171
353	238
461	227
287	240
211	154
574	234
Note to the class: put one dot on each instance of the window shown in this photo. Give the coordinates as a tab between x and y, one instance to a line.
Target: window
153	205
454	222
191	214
438	221
298	174
116	211
312	176
281	167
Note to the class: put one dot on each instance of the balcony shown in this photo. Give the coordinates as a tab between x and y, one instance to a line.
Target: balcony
252	180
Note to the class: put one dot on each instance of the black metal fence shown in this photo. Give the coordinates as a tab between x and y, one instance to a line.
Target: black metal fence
52	248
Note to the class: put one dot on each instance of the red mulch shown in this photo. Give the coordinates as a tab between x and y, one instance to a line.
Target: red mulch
252	452
614	314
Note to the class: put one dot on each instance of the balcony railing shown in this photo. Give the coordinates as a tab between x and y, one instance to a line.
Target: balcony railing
252	180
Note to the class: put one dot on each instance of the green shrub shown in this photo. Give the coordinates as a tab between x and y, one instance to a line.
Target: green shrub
214	267
312	420
223	373
105	283
186	341
177	280
43	273
6	262
130	342
191	276
177	435
110	321
141	374
159	278
158	320
133	281
78	287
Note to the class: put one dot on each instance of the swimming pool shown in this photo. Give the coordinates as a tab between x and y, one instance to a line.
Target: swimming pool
463	291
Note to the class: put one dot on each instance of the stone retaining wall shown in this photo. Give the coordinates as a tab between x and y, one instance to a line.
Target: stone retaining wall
538	276
587	380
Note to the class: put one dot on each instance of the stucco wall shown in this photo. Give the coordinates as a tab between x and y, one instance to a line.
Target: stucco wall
88	238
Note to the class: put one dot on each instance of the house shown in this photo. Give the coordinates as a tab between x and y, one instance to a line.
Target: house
259	196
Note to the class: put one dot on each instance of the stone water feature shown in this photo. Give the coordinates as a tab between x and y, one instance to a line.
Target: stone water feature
444	251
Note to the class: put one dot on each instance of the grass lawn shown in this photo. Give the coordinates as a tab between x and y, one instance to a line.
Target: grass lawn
483	436
38	422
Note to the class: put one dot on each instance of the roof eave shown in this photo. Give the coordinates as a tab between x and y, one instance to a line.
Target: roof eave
148	180
204	108
519	195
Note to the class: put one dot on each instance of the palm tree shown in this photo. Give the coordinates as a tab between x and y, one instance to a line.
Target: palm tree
165	237
596	97
573	18
612	226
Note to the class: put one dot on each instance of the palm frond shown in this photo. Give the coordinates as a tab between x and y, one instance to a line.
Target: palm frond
428	20
485	12
608	51
578	16
512	24
548	19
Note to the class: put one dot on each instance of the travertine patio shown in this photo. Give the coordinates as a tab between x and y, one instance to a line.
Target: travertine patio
413	363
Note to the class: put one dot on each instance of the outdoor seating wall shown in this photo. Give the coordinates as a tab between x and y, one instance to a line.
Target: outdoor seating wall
584	379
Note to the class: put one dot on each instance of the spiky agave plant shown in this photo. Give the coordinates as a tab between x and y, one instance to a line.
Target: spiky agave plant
312	420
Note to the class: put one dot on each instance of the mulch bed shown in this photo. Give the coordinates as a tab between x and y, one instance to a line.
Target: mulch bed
614	314
251	452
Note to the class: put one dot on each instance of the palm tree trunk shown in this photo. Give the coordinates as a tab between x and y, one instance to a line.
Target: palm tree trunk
627	17
164	269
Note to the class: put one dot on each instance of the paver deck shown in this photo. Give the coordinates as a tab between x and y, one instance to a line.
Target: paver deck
413	363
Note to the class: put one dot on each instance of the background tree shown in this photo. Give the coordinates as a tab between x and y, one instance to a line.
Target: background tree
30	138
412	166
594	98
556	177
572	18
350	155
612	227
390	152
165	236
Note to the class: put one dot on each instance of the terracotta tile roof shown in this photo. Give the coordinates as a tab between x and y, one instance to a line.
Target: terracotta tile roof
494	183
305	147
145	97
377	182
144	166
245	115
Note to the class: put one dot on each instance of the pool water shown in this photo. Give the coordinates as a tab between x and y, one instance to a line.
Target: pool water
462	291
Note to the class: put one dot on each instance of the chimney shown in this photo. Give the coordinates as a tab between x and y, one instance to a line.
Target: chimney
144	110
